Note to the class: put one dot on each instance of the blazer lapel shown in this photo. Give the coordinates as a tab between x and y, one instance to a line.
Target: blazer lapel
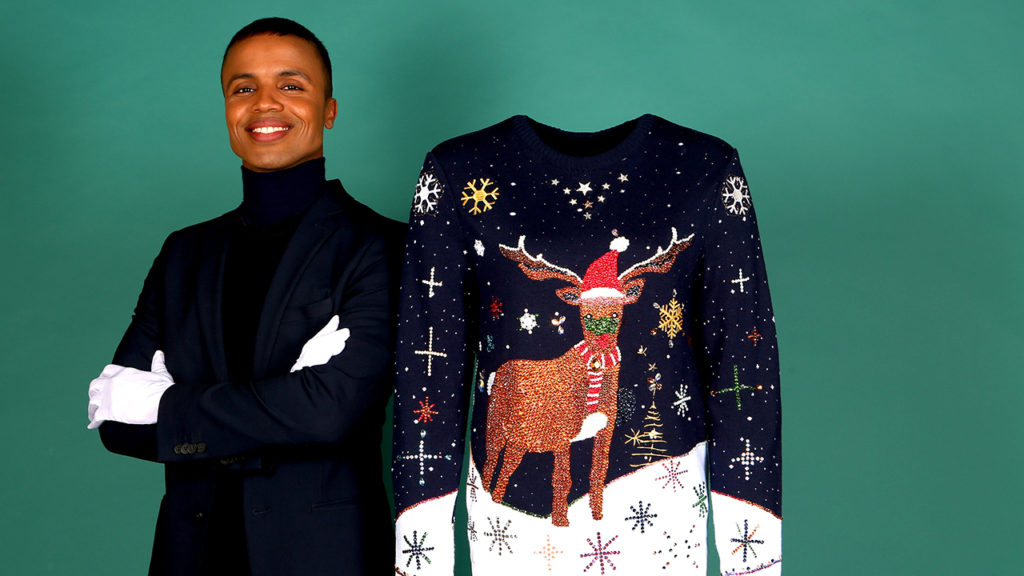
211	294
313	230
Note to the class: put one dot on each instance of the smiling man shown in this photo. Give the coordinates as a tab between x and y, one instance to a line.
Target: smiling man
256	366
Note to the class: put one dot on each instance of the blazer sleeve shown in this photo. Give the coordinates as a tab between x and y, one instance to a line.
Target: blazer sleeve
315	406
140	341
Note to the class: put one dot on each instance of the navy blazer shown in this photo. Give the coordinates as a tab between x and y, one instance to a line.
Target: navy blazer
308	442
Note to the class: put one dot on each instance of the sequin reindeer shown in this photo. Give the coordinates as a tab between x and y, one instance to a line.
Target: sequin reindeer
546	405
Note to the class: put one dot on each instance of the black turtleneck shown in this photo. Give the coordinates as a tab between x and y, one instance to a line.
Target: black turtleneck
272	205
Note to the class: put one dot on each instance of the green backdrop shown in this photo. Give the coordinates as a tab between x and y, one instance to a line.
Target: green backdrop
883	145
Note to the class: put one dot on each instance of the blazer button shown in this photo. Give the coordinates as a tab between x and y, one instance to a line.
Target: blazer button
189	448
177	449
198	515
200	447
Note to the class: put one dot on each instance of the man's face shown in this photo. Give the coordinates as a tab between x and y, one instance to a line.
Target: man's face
275	102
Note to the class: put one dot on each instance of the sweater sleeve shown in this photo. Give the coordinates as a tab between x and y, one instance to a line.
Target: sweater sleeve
740	373
431	391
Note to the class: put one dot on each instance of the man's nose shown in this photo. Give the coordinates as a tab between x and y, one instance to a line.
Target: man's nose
266	101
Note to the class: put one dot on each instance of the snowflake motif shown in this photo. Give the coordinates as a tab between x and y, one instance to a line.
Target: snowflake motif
670	318
478	247
482	198
428	190
675	549
746	541
496	308
702	500
682	397
736	196
548	552
499	535
416	549
471	483
471	530
672	476
747	459
425	412
754	336
600	553
528	321
642	516
422	457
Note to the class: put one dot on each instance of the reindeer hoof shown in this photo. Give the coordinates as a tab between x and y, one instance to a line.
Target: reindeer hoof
597	514
559	520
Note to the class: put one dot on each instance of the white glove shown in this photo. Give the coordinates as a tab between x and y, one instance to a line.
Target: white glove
128	395
326	343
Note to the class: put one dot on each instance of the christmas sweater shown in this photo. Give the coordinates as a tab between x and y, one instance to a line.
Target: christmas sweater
594	307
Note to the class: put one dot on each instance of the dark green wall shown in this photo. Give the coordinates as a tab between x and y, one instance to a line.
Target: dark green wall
883	145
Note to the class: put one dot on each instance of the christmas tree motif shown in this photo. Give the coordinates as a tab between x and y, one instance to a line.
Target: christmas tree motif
746	541
672	476
417	550
425	412
548	552
670	318
600	553
649	441
499	535
642	516
737	387
688	548
702	499
481	197
422	457
735	196
428	190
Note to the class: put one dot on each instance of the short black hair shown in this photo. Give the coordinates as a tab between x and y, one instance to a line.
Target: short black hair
283	27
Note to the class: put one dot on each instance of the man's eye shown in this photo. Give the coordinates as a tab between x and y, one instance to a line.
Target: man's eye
243	90
291	87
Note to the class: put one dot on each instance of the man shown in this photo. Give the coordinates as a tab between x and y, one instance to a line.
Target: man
234	373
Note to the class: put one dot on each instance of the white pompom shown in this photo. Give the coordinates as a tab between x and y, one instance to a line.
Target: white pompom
619	244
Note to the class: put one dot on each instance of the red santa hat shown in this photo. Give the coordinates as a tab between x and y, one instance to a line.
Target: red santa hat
602	277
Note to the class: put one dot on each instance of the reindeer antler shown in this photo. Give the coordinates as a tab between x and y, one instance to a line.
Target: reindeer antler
536	267
661	261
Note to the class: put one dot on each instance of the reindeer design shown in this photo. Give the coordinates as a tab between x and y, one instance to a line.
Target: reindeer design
545	405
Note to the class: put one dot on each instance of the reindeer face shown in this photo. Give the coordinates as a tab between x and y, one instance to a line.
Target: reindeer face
601	321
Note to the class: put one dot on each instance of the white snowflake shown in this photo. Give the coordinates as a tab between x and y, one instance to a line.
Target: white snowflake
428	189
682	397
479	247
736	195
528	321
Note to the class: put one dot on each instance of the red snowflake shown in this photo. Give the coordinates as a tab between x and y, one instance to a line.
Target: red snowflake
496	308
426	411
754	336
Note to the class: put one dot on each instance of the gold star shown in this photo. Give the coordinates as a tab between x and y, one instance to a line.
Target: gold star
623	178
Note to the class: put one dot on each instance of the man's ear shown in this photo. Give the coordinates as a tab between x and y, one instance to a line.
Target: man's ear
330	113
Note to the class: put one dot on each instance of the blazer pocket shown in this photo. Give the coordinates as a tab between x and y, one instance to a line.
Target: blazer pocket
321	309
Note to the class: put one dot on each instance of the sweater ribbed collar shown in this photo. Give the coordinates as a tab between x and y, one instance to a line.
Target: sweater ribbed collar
271	197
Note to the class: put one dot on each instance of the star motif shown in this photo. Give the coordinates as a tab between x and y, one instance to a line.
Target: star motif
586	215
600	198
554	182
623	178
588	204
572	202
584	188
567	190
605	186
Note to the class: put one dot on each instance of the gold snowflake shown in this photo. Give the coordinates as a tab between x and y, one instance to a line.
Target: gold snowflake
480	195
670	318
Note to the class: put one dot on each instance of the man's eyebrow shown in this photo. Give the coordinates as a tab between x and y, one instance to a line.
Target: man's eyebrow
283	73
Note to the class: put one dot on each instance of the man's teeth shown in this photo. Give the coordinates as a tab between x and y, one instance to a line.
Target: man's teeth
269	129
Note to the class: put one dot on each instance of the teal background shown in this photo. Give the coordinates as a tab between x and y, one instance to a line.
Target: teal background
882	141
